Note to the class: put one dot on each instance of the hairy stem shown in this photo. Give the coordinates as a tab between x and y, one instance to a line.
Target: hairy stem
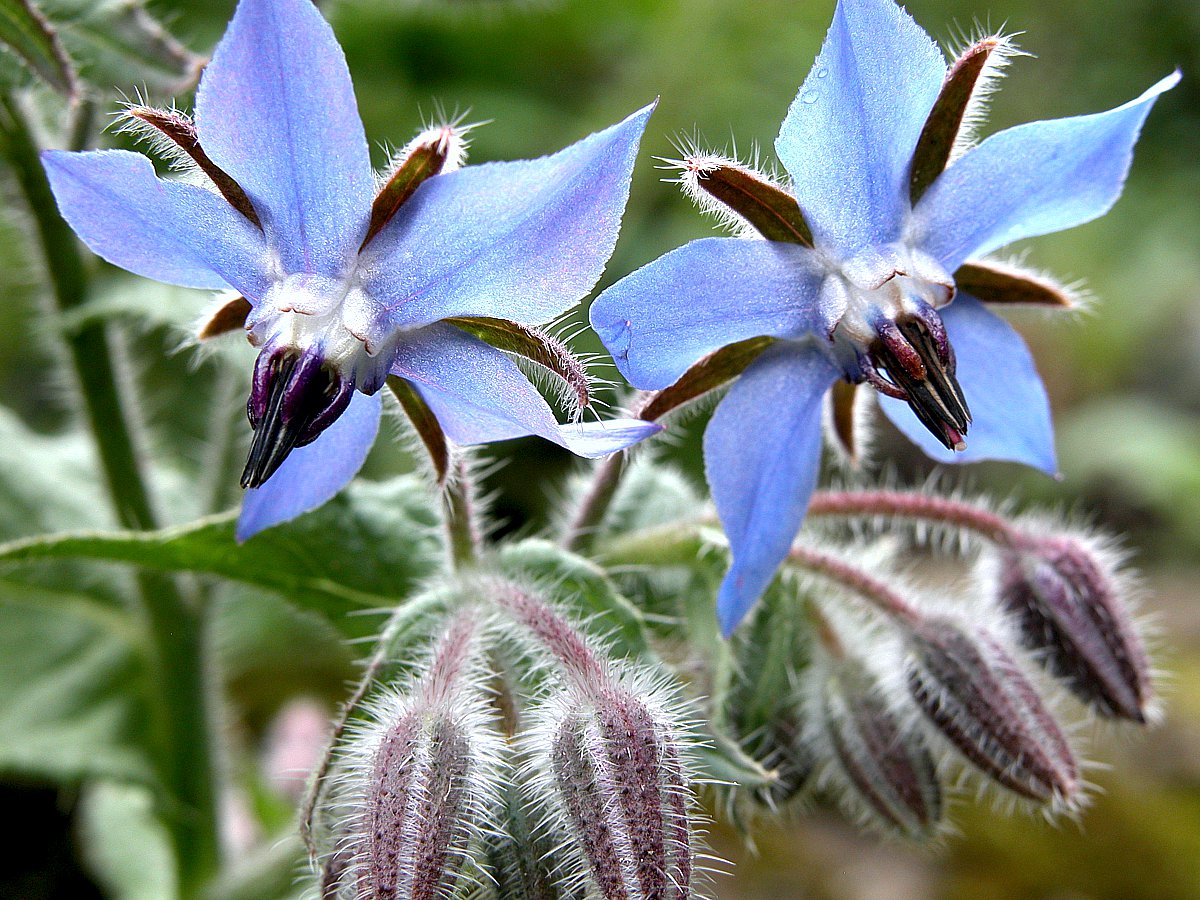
906	505
175	625
854	580
581	533
462	526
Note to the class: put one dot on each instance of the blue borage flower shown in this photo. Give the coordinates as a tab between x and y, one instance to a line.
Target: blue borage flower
342	290
858	279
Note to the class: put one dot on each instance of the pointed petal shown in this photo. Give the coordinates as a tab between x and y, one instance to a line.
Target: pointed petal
276	111
659	320
1032	179
479	395
1009	405
762	450
311	475
850	134
166	230
515	240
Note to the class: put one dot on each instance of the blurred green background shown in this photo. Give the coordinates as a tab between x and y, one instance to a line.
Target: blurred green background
1124	378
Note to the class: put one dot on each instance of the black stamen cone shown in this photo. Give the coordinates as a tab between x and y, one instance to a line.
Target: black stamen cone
303	397
929	384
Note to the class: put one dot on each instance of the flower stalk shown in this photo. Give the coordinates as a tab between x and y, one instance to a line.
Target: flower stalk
175	622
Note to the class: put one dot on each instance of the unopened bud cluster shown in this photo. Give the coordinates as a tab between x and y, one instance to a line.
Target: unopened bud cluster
520	761
854	688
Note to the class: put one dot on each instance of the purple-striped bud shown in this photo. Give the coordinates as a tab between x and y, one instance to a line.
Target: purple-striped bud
976	695
886	767
419	783
1066	603
620	782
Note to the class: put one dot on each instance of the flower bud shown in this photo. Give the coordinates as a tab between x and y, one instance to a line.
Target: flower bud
976	695
887	768
618	777
1066	606
419	780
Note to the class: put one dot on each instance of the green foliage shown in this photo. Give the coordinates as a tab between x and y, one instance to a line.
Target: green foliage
26	33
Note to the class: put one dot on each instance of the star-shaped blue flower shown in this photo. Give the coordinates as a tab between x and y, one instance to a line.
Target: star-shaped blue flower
335	315
864	291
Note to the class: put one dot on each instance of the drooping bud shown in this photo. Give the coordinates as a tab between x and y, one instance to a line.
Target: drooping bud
911	359
421	777
975	694
1068	608
886	767
610	760
295	395
621	786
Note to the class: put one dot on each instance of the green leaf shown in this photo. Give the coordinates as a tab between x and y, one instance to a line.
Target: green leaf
25	30
125	844
119	44
364	550
72	687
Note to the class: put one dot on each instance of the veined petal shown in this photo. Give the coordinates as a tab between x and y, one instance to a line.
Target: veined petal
479	395
276	111
850	134
762	451
1009	405
521	240
166	230
311	475
660	319
1032	179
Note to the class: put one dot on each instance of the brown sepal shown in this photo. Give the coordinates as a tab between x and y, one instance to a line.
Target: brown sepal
425	423
997	283
709	373
841	413
534	345
229	317
937	139
423	162
182	131
772	211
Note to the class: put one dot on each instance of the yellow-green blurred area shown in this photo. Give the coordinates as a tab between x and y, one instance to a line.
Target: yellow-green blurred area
1124	376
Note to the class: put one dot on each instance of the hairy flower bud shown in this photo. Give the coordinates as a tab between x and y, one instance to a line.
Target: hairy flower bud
609	763
619	780
1067	607
420	780
975	693
886	767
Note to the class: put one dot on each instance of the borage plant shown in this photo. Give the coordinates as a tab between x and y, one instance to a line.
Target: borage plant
540	716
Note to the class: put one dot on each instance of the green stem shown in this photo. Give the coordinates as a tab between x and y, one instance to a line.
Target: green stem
462	527
581	533
176	625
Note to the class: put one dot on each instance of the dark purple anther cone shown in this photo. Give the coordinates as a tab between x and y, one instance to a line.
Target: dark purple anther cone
976	695
1068	609
913	361
294	396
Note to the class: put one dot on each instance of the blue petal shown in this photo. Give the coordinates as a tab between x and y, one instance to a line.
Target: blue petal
479	395
850	134
1008	403
1031	180
312	474
762	451
276	111
518	240
659	320
165	230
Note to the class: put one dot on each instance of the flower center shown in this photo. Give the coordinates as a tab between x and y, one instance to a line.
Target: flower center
891	330
309	364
